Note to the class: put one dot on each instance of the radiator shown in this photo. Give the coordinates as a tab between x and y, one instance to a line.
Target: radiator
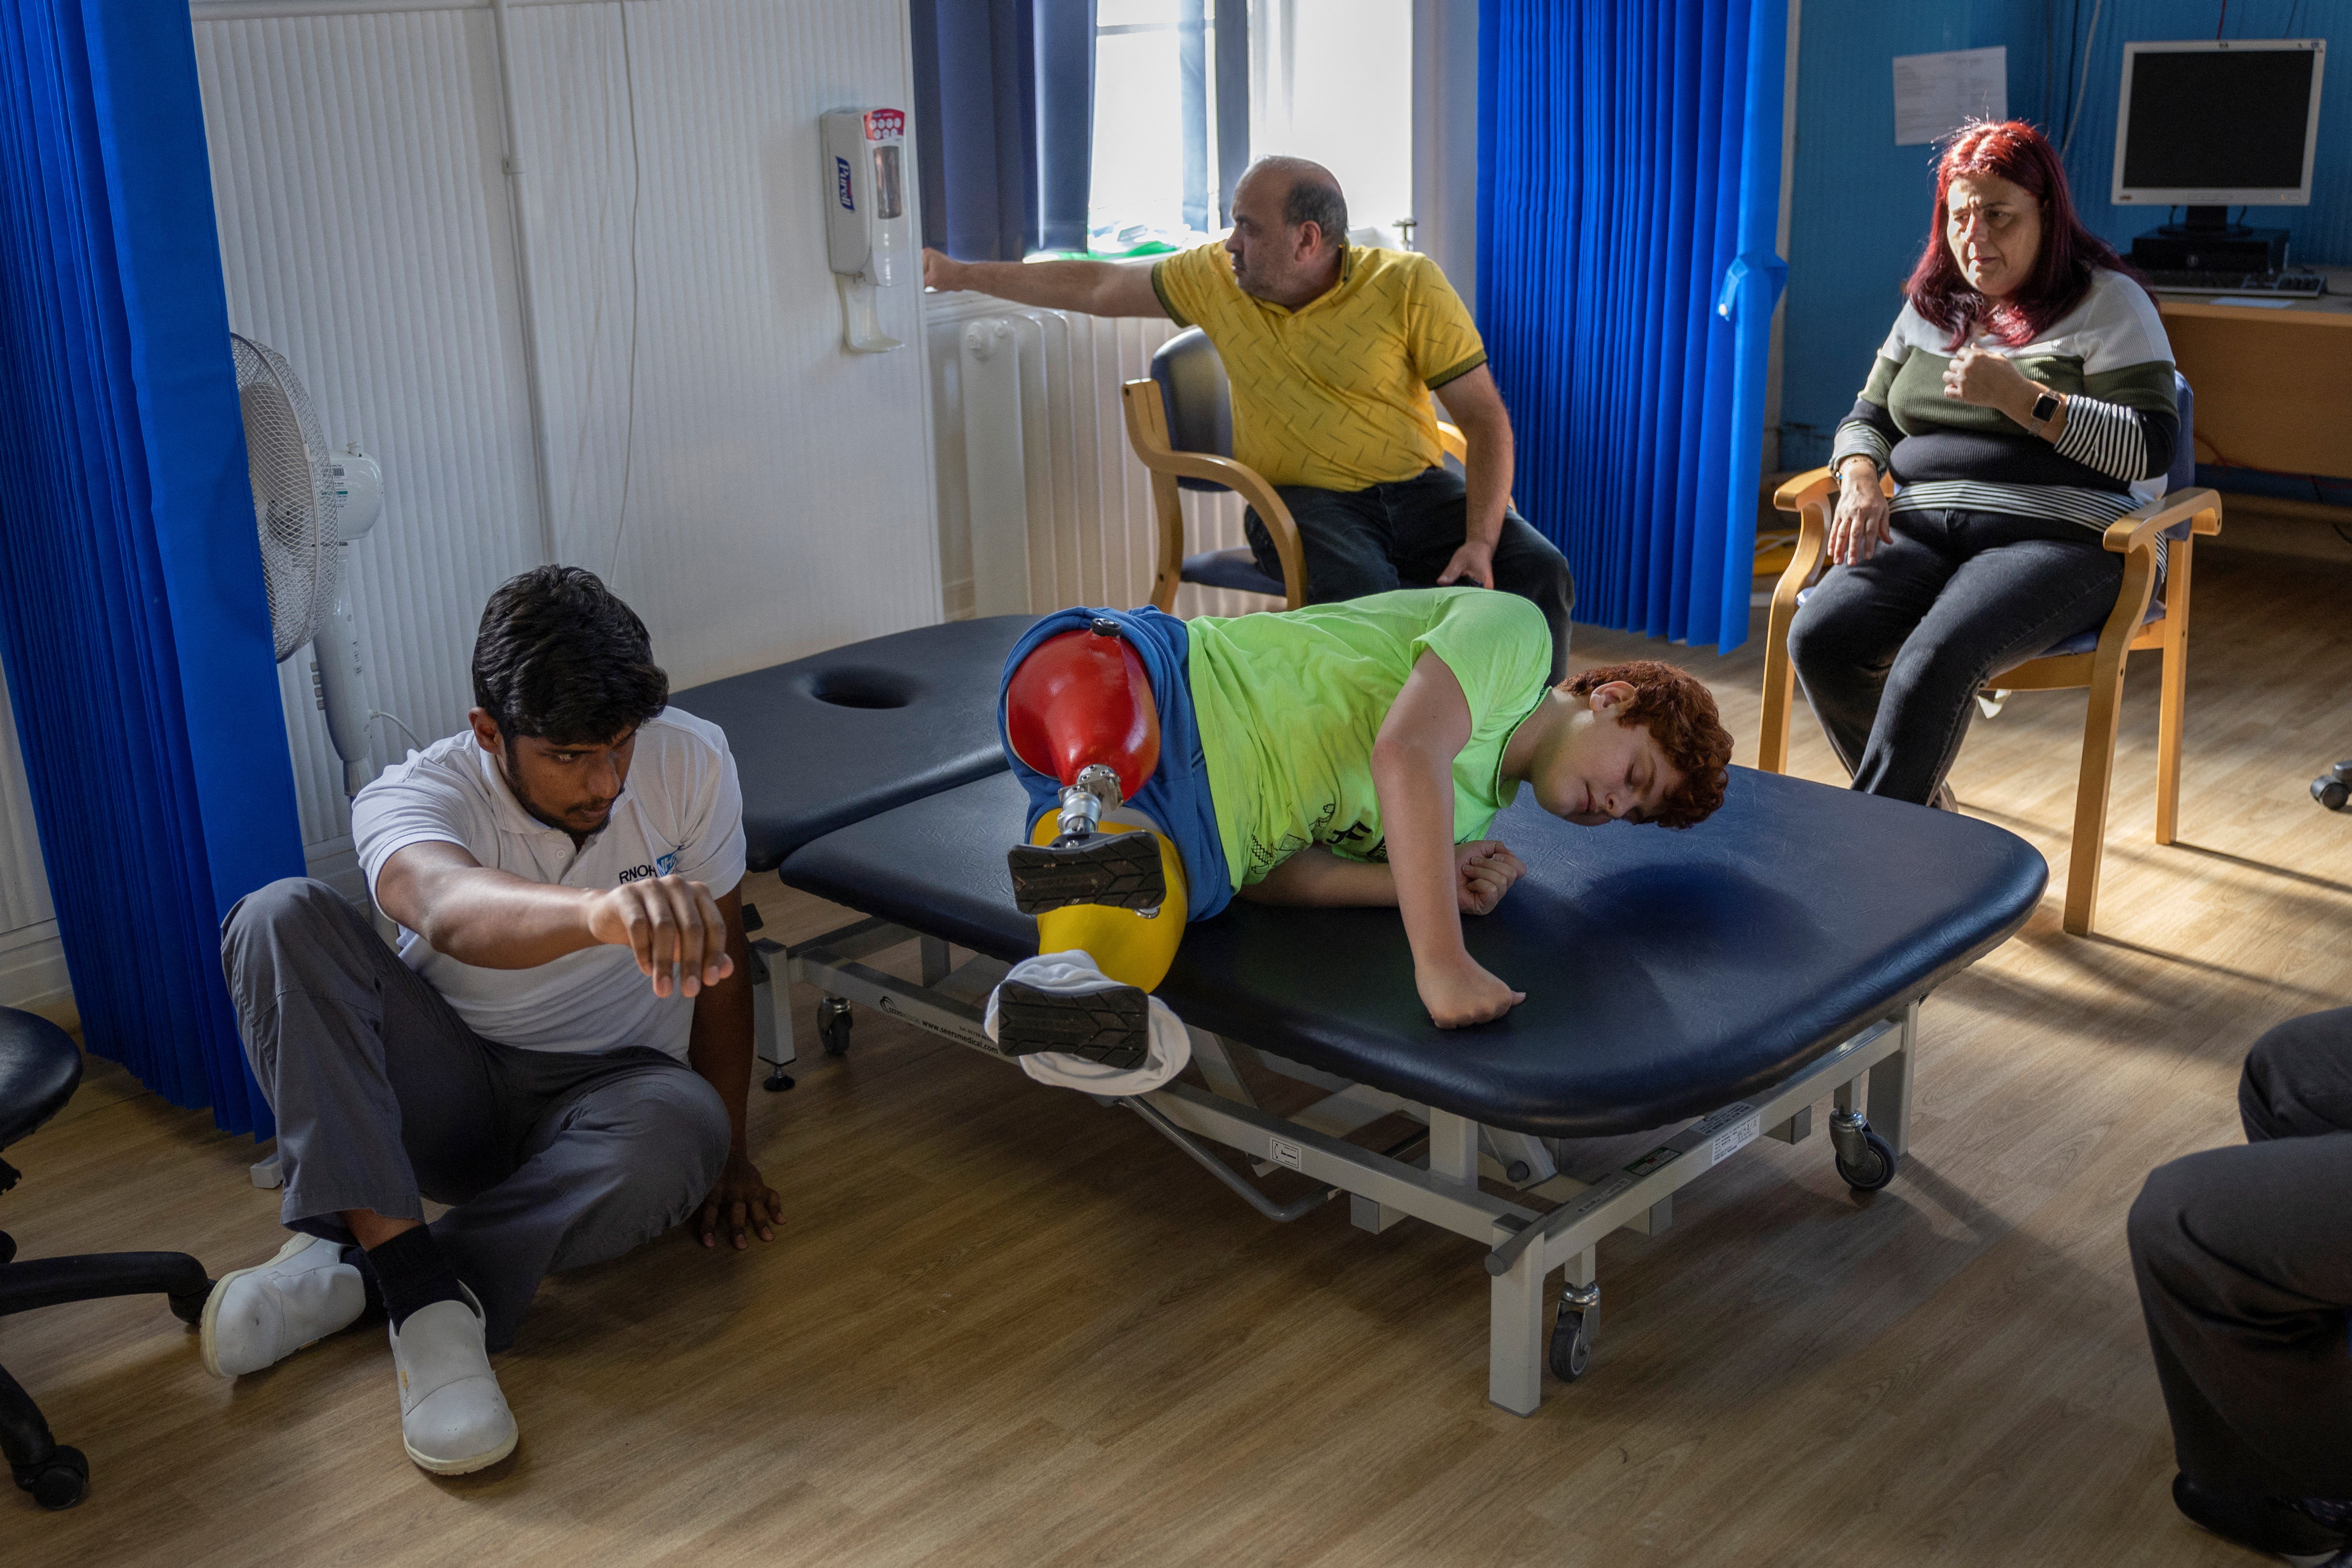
1041	505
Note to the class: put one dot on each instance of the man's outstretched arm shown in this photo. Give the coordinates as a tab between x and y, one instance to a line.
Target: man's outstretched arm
1476	405
1090	287
494	920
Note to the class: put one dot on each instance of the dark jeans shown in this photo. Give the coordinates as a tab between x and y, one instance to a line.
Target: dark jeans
1401	535
2244	1257
1891	650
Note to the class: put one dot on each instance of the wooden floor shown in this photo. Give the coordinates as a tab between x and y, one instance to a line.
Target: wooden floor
1006	1326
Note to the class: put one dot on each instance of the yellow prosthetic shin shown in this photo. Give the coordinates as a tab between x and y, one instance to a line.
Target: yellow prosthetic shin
1130	947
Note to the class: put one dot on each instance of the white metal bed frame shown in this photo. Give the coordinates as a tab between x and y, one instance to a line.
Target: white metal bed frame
1439	1186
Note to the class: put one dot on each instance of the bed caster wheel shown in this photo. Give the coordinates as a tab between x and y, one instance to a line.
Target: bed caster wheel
1571	1333
2333	788
57	1481
1865	1159
832	1026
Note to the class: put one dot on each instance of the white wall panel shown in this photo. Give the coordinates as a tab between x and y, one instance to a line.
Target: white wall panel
777	487
23	886
32	965
363	234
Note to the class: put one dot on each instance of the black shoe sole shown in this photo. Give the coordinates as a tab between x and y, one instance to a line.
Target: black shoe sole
2263	1524
1111	1027
1120	870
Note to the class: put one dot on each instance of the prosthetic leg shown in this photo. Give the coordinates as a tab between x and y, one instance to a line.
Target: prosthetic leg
1104	882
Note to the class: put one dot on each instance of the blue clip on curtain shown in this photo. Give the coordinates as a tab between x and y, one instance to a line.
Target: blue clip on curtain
131	613
1628	195
1004	124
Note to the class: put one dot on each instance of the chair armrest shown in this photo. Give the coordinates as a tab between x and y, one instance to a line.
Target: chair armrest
2139	526
1807	488
1146	435
1456	444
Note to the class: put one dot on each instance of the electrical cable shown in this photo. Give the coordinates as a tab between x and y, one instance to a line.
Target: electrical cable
637	188
2221	21
2074	112
379	714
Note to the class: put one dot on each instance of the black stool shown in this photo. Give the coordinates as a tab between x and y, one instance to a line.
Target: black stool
39	1069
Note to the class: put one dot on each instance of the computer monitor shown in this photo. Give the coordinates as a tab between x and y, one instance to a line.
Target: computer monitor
2212	125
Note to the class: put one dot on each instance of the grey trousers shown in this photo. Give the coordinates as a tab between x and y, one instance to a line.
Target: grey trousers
2244	1257
385	1098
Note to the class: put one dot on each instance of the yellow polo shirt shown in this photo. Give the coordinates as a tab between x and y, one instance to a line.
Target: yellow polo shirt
1334	394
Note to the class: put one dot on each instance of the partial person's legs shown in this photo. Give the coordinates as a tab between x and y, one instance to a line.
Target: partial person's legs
373	1077
379	1089
1430	514
2246	1286
1344	535
2019	586
624	1146
1105	882
1848	631
2298	1078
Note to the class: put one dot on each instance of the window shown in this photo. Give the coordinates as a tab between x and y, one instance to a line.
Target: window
1328	79
1155	136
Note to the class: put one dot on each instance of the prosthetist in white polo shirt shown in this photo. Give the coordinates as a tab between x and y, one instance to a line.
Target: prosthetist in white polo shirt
680	814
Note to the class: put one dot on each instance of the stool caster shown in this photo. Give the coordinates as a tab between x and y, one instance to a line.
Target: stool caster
2333	787
1867	1160
57	1481
832	1026
1572	1329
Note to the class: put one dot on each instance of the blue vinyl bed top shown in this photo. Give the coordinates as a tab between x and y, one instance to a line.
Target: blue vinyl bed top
824	740
1666	973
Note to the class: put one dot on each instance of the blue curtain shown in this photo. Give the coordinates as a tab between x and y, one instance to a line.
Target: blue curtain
132	614
1629	187
1004	123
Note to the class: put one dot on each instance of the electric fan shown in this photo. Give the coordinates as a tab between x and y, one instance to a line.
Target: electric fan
309	505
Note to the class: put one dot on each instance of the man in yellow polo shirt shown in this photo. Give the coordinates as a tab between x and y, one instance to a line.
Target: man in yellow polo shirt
1331	350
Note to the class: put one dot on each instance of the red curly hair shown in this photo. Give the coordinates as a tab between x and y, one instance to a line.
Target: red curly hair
1680	714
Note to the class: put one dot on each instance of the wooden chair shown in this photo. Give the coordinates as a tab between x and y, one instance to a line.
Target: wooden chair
2139	623
1180	421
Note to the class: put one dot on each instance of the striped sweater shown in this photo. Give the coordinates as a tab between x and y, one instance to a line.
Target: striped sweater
2108	354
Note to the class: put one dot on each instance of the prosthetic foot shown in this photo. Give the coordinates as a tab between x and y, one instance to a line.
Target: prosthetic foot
1084	865
1111	1025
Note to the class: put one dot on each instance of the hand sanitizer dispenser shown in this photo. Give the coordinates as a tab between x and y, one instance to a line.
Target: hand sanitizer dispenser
866	215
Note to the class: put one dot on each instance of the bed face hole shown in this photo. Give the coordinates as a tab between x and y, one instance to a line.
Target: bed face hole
854	687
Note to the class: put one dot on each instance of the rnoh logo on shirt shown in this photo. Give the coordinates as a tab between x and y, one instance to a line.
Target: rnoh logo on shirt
661	867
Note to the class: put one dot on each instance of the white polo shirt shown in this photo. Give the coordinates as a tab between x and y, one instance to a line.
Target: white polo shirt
681	813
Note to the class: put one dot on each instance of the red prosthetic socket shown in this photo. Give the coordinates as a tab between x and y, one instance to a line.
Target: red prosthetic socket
1082	698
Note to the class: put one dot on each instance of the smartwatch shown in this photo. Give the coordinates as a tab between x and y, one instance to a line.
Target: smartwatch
2045	408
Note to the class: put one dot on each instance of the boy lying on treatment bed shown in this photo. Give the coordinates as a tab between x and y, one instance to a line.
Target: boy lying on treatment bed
1348	753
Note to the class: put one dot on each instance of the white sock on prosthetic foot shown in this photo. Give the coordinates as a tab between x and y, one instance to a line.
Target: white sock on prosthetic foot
1073	973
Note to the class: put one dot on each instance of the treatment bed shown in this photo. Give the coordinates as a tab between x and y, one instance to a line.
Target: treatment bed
1707	987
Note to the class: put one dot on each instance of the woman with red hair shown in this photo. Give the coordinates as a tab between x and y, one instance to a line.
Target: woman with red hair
2023	401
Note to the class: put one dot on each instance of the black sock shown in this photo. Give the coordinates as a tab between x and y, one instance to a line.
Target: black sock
356	1256
412	1274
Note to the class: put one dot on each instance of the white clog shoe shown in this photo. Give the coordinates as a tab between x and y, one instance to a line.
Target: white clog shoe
257	1317
453	1416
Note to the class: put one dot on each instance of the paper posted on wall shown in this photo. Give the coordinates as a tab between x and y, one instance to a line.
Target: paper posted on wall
1936	94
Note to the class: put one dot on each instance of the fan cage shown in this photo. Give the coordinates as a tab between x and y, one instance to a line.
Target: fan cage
294	499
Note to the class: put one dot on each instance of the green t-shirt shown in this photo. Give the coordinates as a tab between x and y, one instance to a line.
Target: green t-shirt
1290	703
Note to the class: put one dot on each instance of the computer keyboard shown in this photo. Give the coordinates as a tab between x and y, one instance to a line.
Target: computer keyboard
2298	284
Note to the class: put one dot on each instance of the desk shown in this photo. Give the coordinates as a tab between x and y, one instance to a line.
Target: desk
2273	386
